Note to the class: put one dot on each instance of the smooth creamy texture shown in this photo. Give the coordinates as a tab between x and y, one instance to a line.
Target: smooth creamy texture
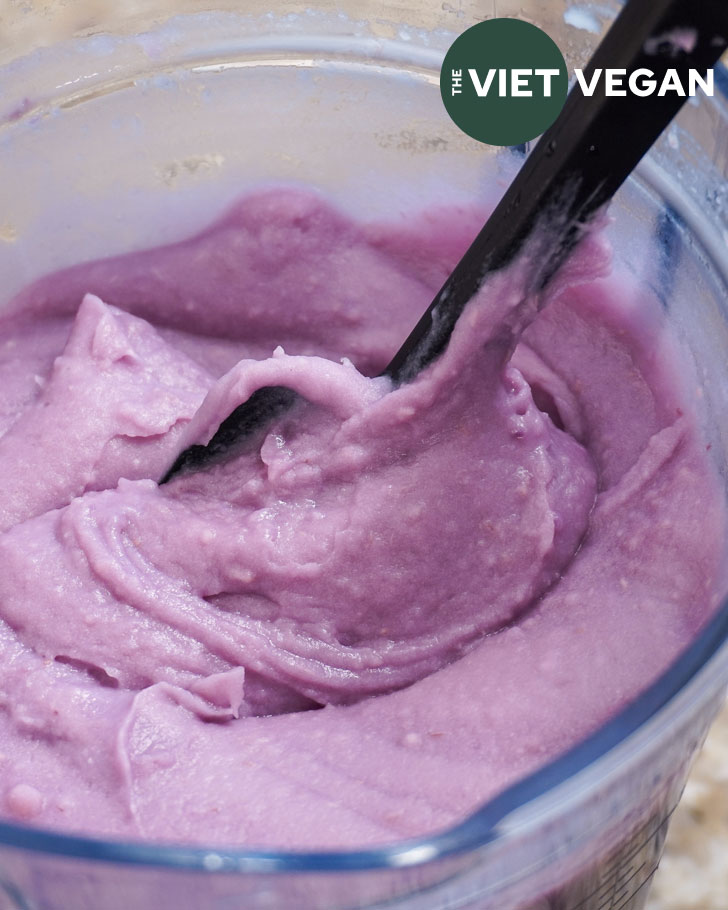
466	587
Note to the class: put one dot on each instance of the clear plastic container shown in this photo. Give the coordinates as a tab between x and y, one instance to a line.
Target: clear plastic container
122	127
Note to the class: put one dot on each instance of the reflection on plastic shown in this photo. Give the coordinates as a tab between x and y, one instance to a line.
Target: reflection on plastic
11	898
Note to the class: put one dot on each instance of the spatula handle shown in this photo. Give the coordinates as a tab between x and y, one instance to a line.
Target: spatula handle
582	160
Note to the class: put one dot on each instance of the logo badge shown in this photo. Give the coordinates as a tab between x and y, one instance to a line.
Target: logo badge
504	81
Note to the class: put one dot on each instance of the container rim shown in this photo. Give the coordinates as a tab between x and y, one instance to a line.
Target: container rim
482	827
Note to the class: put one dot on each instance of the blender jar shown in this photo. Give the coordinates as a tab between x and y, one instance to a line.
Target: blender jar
120	123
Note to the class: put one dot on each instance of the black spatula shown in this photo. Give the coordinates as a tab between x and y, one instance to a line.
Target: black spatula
577	166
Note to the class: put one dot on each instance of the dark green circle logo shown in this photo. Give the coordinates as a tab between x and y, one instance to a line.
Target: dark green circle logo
504	81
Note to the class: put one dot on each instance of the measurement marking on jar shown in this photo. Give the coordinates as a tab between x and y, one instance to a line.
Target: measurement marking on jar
634	894
619	893
616	889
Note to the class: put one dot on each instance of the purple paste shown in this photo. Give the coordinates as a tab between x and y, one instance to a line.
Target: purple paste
396	602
